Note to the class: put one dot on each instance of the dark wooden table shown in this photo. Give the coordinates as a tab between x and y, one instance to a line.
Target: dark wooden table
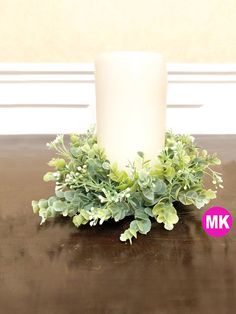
56	268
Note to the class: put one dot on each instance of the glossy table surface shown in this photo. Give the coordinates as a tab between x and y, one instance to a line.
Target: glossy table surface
56	268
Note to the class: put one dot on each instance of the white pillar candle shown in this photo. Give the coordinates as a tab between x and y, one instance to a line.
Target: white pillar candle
130	104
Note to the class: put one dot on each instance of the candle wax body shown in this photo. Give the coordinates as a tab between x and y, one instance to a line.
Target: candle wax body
130	104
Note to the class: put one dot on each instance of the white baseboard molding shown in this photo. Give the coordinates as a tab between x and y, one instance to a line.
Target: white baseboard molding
60	98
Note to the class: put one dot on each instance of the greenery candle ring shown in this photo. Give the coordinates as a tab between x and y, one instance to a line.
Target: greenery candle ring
91	190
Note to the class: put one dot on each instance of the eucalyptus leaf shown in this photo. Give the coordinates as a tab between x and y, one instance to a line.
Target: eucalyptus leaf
59	206
144	226
49	176
43	203
69	195
159	187
148	194
59	194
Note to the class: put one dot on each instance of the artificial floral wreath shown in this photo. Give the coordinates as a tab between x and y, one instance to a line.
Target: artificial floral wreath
91	189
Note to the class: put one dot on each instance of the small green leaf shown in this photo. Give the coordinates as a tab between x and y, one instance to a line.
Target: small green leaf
85	214
160	219
75	151
126	236
168	226
210	194
141	154
59	206
78	220
74	138
35	207
140	214
134	225
58	163
106	165
148	194
148	211
186	159
185	199
144	226
158	209
133	232
43	203
69	195
51	200
169	173
49	176
59	194
201	201
43	212
167	214
159	187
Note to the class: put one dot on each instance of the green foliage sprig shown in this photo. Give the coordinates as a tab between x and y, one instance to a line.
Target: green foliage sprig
91	189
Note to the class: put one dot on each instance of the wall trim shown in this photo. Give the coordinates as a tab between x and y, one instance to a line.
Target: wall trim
84	73
39	98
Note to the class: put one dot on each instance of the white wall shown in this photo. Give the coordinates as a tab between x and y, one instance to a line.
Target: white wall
78	30
60	98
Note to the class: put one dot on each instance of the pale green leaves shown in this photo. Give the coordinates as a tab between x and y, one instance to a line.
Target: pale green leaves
59	206
144	180
159	187
165	213
142	226
106	165
119	176
150	187
81	219
188	197
57	163
197	199
91	190
54	206
44	210
50	176
120	210
209	194
35	206
169	173
69	195
43	203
